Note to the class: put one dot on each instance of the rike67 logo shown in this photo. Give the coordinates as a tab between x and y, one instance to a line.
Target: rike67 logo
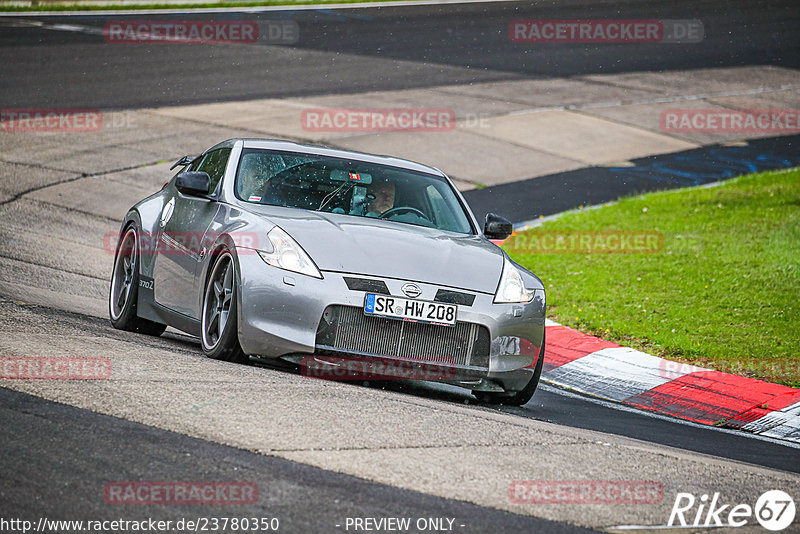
774	510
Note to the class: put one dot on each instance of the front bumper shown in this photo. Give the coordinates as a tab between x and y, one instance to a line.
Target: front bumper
280	314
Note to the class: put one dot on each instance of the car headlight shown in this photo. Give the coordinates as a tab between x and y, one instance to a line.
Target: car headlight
512	288
287	254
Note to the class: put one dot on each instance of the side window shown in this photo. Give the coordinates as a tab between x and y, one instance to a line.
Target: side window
443	211
214	164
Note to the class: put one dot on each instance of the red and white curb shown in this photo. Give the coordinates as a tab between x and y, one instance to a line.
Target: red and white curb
603	369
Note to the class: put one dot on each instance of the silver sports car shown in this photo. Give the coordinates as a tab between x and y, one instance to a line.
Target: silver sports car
330	259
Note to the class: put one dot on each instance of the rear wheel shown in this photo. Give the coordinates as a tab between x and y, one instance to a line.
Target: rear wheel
517	398
125	288
219	336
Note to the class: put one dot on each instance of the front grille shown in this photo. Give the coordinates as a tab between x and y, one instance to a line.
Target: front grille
365	284
347	329
454	297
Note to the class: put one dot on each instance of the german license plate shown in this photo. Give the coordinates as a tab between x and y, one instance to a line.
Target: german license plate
419	311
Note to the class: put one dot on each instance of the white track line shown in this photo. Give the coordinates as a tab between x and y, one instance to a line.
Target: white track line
244	9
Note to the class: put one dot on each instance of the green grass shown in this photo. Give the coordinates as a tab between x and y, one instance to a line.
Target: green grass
722	293
122	6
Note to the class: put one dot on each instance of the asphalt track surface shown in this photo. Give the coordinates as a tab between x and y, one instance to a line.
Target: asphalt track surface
348	51
51	457
56	459
303	498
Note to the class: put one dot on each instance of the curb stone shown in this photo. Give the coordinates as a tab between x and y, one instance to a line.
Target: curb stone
603	369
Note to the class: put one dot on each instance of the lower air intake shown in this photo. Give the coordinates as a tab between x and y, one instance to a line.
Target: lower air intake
347	329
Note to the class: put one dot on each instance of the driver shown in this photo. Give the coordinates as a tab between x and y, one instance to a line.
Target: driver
252	185
384	193
249	180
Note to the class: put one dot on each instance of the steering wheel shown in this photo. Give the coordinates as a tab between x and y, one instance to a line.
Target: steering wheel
402	209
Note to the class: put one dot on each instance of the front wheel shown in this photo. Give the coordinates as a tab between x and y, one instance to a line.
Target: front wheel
517	398
219	336
125	288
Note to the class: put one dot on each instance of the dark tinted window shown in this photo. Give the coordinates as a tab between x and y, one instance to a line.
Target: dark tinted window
214	164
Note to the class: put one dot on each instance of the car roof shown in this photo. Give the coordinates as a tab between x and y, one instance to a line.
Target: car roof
289	146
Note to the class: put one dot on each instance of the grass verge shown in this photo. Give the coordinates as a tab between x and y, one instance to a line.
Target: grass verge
722	293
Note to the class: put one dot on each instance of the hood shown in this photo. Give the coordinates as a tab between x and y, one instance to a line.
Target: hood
379	248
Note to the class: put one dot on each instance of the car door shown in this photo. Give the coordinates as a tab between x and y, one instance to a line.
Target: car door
184	222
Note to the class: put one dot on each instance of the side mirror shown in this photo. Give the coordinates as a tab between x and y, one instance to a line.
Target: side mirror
193	183
497	227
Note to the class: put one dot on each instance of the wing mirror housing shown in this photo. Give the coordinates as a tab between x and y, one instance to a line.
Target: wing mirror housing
497	227
195	183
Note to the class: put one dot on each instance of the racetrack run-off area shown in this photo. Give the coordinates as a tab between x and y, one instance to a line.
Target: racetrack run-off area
536	129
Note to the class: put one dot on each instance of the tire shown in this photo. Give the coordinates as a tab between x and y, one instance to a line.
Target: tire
218	336
124	290
517	398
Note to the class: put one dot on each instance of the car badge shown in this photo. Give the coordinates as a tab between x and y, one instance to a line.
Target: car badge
411	290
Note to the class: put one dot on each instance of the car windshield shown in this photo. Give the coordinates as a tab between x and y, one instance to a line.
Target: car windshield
349	187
